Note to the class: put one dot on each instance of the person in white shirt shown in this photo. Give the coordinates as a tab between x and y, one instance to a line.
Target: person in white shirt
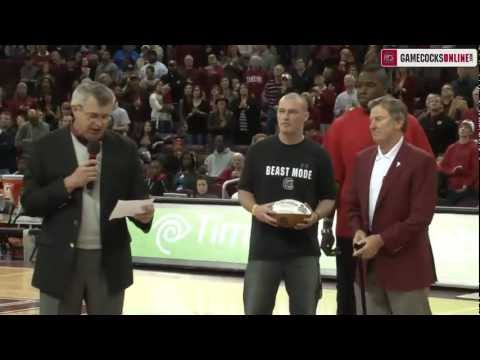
160	68
220	159
347	99
160	116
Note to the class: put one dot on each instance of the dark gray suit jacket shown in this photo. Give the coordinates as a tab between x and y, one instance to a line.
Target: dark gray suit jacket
52	159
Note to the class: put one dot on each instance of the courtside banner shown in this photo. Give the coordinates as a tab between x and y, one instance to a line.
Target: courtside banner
429	57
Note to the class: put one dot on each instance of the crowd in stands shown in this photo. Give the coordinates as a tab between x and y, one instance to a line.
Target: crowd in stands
193	110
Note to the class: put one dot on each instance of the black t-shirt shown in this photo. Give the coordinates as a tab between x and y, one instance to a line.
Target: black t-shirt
276	171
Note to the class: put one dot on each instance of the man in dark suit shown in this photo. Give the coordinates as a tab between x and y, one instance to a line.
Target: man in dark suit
390	205
81	254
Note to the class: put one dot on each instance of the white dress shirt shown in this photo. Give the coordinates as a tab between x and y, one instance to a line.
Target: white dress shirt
380	169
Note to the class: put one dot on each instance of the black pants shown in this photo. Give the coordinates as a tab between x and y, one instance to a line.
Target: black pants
345	277
302	282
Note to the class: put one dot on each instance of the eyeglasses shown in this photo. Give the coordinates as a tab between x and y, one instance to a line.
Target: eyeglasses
93	116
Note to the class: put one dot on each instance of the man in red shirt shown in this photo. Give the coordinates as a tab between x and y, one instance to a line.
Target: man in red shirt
348	135
460	165
256	77
189	72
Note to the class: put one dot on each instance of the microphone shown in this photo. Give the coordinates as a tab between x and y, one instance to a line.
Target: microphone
93	148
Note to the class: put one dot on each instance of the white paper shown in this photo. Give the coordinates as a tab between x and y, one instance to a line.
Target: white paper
129	208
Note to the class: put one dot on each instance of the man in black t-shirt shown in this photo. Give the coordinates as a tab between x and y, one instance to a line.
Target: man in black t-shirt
285	166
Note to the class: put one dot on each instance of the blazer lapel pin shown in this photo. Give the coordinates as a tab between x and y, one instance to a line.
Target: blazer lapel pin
398	164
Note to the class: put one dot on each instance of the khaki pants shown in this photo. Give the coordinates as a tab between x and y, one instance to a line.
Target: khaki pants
385	302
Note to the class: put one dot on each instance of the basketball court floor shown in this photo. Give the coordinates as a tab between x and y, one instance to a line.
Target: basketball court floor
163	292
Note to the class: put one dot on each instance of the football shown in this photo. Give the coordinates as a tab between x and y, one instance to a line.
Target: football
289	212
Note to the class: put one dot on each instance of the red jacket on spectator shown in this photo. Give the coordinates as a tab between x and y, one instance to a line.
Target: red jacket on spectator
256	80
465	155
212	75
193	74
17	105
322	111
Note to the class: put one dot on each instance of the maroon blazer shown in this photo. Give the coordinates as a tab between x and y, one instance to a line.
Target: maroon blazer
404	209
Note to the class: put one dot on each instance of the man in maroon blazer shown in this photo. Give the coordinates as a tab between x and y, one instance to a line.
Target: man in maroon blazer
391	204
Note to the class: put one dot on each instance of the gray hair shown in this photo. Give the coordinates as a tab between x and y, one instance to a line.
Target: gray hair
297	97
395	108
88	88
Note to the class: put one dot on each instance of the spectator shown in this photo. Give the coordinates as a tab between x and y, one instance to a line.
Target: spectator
175	80
160	68
65	77
142	59
213	73
405	88
301	77
161	110
185	102
34	129
440	129
273	88
125	56
107	66
148	138
256	77
120	120
50	109
220	118
45	86
234	169
106	80
465	83
86	70
189	72
236	87
65	121
20	121
347	99
196	117
21	102
271	95
214	95
268	59
246	117
41	55
8	152
226	89
233	63
157	179
202	190
472	114
150	82
460	165
447	96
219	160
187	176
28	72
372	55
323	103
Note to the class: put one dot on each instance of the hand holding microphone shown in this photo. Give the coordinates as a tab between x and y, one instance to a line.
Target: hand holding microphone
86	173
